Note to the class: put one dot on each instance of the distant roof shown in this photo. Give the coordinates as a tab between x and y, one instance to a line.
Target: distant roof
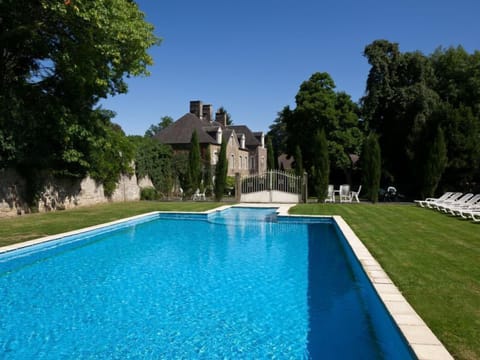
250	138
180	132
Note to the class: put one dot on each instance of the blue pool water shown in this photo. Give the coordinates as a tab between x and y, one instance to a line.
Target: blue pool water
240	283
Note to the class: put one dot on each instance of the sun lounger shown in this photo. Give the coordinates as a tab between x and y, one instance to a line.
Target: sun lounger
457	202
475	216
457	206
467	212
423	203
449	200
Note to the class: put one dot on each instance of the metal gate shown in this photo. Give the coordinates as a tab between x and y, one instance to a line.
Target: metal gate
272	186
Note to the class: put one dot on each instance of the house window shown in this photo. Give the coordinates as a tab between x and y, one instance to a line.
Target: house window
232	161
252	163
262	162
215	157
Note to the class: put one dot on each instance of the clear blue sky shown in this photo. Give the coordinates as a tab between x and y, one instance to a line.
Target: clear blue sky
251	56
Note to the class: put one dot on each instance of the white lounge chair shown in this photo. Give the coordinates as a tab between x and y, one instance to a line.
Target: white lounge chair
460	201
450	199
354	194
423	203
468	213
455	208
345	193
330	194
476	216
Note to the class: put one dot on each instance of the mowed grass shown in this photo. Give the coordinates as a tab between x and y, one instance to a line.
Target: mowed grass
433	258
23	228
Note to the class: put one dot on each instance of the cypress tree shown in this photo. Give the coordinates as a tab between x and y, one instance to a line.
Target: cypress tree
271	164
435	163
371	166
207	175
221	172
298	161
194	165
321	165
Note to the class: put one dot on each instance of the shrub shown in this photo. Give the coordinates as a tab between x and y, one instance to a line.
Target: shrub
148	193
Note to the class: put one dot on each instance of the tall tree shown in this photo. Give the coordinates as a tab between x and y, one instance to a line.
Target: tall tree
207	173
221	172
271	163
463	131
371	166
194	162
399	102
315	110
278	131
165	121
298	161
321	165
57	60
320	107
435	163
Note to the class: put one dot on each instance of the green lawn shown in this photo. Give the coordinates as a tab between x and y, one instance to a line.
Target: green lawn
434	259
22	228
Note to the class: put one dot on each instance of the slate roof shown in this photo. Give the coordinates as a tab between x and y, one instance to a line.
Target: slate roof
251	140
180	132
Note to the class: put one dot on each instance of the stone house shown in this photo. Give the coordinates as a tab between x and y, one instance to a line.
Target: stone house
246	152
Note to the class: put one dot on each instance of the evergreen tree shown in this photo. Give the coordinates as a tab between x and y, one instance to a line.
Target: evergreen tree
321	165
371	166
298	161
207	174
435	163
221	172
271	164
194	165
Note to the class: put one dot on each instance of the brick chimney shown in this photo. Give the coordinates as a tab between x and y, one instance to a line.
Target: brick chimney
196	108
221	118
207	112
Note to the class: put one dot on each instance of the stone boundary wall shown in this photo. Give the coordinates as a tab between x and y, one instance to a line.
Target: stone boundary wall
64	193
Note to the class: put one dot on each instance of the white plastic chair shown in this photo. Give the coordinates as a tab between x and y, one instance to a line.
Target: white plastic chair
196	195
345	193
330	194
354	194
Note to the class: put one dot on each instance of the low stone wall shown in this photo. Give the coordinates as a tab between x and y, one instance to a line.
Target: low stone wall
12	188
64	193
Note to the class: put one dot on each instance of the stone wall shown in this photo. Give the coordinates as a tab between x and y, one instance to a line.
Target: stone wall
64	193
12	188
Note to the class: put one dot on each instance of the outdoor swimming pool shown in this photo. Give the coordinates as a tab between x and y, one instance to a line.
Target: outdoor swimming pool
240	283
